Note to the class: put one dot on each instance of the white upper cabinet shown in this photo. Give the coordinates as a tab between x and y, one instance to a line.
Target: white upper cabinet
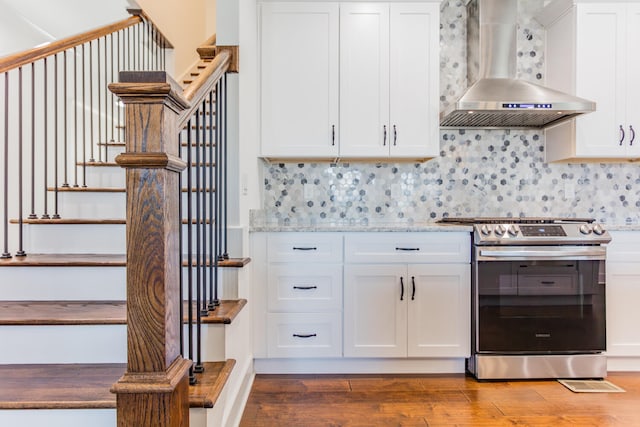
299	80
389	80
590	52
350	80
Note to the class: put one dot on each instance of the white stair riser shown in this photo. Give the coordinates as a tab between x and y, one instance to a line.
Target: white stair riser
58	417
105	205
89	283
198	417
114	150
63	344
38	344
115	177
63	283
91	238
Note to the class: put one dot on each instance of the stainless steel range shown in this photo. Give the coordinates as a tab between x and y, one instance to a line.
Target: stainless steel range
538	298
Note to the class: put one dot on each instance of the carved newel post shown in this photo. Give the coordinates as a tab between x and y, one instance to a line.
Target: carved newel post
154	389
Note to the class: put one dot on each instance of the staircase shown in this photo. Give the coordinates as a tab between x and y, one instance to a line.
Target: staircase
63	306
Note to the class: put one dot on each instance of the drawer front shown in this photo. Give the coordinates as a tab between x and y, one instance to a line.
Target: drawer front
425	247
306	247
304	335
624	246
305	287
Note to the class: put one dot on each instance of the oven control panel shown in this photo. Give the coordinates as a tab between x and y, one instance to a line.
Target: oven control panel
540	234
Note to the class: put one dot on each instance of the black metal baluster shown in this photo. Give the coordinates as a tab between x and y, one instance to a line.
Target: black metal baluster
84	119
198	367
106	102
33	215
180	251
212	214
5	222
55	138
45	141
91	133
117	101
20	252
192	378
202	168
65	159
216	301
225	148
75	115
99	90
113	96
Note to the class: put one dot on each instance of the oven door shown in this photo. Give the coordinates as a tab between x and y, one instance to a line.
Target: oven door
539	300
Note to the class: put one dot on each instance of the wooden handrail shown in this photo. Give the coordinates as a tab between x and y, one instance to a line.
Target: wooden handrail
203	84
16	60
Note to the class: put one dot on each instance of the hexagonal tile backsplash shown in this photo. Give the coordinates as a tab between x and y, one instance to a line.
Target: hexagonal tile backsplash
478	172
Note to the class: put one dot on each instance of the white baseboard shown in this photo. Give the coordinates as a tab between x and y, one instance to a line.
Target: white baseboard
359	366
617	364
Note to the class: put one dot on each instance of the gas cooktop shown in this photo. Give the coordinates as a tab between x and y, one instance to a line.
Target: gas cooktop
533	230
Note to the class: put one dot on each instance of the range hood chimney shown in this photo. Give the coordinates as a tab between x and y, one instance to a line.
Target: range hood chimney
495	98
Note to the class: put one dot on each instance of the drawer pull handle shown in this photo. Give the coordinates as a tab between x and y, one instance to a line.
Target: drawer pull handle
296	248
407	249
305	335
305	288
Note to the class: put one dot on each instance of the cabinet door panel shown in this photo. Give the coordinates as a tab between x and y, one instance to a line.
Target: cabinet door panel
440	314
364	80
414	77
633	82
375	316
299	79
623	317
601	69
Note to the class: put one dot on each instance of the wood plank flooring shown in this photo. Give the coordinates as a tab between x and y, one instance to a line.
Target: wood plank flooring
434	400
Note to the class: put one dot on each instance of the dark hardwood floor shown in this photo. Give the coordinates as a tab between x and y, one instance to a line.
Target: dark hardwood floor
434	400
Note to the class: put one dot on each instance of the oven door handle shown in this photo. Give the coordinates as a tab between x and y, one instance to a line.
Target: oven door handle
523	253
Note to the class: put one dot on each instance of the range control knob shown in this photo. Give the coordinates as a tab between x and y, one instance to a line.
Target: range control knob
513	230
585	229
598	229
500	230
485	230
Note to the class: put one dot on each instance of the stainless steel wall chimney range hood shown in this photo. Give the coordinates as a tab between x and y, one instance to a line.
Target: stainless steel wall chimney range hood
495	98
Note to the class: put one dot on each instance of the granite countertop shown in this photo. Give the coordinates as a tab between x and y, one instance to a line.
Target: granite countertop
354	227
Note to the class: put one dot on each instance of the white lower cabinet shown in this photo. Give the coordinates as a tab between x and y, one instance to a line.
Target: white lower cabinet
623	294
407	309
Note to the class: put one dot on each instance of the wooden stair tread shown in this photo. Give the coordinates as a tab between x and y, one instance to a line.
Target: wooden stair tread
88	386
94	221
94	312
110	189
94	260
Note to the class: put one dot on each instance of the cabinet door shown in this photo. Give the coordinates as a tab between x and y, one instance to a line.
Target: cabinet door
299	79
439	320
601	71
633	83
364	80
414	79
375	310
623	317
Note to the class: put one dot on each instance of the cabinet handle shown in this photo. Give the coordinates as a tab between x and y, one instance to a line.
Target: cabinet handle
395	135
305	288
401	289
407	249
633	135
333	134
621	134
304	248
384	138
305	335
413	290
